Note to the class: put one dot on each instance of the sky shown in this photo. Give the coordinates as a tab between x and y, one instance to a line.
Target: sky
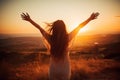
72	12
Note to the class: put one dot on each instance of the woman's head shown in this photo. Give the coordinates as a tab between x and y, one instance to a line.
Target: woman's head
59	38
58	27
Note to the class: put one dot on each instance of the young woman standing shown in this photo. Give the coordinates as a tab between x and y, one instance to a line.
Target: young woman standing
59	39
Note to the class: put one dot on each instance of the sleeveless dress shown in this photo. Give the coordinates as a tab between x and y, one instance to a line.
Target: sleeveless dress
60	69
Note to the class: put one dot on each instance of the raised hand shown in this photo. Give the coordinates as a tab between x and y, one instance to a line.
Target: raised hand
25	16
94	16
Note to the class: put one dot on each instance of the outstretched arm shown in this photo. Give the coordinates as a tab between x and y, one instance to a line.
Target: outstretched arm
76	30
26	17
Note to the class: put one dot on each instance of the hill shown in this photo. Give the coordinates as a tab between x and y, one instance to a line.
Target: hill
96	58
21	44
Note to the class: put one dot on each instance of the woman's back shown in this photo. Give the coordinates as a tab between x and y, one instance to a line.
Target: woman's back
58	39
59	61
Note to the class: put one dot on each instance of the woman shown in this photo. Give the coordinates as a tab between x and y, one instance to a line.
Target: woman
59	39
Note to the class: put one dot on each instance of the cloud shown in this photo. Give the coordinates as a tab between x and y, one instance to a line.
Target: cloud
117	16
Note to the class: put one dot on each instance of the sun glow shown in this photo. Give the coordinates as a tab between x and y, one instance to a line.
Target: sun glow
107	22
82	30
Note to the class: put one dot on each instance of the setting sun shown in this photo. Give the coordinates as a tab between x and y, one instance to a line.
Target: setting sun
84	29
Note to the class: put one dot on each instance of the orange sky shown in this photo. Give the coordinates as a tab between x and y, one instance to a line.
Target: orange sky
72	12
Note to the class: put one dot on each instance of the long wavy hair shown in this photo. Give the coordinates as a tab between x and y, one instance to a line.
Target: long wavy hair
59	39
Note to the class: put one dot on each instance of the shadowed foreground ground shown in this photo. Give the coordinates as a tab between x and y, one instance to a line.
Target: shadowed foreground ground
35	67
23	58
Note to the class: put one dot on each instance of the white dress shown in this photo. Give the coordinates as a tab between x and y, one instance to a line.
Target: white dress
60	69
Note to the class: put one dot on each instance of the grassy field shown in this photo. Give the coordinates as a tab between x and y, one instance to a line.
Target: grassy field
36	66
26	59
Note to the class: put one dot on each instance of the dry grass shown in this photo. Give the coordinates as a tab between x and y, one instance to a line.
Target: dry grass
82	69
20	59
94	69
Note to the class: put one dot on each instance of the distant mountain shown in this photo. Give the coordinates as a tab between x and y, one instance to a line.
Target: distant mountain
5	36
91	40
21	44
12	43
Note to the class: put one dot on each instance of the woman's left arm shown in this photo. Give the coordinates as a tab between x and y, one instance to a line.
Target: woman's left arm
26	17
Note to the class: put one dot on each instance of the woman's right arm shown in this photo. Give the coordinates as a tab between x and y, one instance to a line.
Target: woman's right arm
81	25
26	17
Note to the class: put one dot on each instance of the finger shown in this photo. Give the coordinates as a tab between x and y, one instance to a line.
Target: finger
27	14
23	18
97	13
24	14
21	15
92	12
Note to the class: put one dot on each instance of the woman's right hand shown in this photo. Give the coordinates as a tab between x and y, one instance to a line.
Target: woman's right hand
94	16
25	17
